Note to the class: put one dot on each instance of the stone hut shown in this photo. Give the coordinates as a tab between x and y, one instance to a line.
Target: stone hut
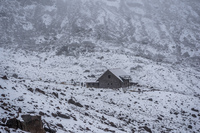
112	78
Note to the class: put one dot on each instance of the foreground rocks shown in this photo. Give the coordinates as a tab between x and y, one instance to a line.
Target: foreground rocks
31	124
14	123
71	101
4	77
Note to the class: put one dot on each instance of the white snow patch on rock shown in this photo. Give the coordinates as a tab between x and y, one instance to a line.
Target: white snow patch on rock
27	26
47	19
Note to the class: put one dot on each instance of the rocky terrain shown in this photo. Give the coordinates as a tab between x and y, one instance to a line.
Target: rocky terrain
49	49
165	99
166	31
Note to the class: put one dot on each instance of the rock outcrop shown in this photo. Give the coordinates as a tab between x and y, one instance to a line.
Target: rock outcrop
31	124
4	77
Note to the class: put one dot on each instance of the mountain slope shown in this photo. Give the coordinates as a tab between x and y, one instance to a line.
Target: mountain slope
166	98
158	30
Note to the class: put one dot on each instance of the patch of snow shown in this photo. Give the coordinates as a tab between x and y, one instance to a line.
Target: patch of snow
28	26
30	7
39	40
50	8
47	19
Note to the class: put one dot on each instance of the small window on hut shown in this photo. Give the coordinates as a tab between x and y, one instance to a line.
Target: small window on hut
109	76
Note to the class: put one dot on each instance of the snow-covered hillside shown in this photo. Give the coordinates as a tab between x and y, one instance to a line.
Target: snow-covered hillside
166	99
52	68
159	30
50	48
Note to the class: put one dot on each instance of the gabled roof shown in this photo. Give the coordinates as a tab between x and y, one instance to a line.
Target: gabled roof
119	73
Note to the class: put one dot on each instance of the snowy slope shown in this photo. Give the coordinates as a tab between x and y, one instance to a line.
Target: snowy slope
48	67
158	30
166	99
49	48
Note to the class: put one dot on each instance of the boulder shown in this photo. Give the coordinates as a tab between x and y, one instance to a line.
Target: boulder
15	75
71	101
195	110
59	125
55	94
31	124
40	91
189	126
4	77
63	115
30	89
49	130
147	129
14	123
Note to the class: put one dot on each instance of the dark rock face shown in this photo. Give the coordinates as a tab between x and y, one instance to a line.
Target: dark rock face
4	77
113	125
189	126
14	123
71	101
63	115
195	110
50	130
15	75
150	99
30	89
3	95
59	125
31	124
40	91
55	94
41	113
147	129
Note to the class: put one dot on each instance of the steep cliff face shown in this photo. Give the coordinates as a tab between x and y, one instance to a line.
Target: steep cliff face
158	29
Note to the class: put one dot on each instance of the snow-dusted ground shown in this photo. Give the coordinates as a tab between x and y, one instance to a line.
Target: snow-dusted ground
167	98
